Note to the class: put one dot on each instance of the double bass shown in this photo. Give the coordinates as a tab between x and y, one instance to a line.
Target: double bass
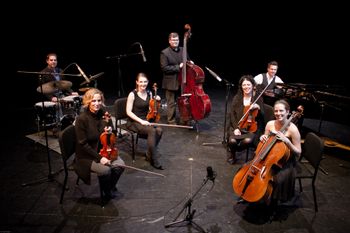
193	102
253	182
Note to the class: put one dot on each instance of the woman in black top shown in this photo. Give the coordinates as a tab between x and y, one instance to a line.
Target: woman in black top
239	138
137	107
89	125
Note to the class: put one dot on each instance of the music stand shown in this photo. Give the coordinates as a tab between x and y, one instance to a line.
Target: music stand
190	213
50	176
228	88
120	90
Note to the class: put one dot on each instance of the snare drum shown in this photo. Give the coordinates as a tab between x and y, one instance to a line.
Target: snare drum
68	102
46	114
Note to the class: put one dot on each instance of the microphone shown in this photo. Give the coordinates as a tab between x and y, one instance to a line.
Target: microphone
214	74
82	73
142	53
210	174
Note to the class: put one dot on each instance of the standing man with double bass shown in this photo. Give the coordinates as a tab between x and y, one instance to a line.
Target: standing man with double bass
171	64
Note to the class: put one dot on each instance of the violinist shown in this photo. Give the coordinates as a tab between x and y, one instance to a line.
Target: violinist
284	177
89	125
137	107
244	127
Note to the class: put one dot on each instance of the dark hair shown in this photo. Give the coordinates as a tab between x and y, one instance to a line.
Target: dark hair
272	63
247	77
173	34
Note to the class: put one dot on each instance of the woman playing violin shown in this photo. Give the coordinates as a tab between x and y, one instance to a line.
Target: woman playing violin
284	177
89	125
246	118
137	107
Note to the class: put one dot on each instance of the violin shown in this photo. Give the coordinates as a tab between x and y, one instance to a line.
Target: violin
154	105
249	123
108	150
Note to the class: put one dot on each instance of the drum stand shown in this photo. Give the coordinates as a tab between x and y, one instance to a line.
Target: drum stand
51	175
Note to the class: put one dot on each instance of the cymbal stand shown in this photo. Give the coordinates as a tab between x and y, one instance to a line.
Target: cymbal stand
224	139
190	213
50	176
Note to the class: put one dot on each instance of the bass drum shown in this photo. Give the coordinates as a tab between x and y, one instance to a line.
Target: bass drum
46	115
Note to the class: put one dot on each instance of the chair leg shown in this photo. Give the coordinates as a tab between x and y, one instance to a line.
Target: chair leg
300	185
314	194
133	147
102	198
64	186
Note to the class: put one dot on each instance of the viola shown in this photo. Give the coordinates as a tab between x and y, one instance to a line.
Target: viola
154	106
108	150
193	102
253	181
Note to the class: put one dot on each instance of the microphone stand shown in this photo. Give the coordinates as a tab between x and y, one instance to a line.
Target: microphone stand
120	87
190	213
50	176
224	140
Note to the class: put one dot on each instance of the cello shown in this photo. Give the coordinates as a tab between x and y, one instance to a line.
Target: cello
253	181
193	102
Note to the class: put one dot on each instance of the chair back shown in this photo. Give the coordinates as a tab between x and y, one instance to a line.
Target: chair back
120	108
313	149
67	141
268	113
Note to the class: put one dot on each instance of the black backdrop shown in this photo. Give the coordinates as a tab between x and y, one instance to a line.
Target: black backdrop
310	43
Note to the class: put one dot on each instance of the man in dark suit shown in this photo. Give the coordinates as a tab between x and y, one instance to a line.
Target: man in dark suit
171	64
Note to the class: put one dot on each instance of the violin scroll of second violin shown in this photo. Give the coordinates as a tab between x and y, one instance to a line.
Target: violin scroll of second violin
108	150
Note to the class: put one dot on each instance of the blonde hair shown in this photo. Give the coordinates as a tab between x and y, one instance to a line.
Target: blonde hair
89	95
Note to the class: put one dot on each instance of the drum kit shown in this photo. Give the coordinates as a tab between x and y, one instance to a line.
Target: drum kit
58	114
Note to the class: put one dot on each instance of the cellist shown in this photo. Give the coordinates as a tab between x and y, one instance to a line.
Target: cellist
283	177
243	131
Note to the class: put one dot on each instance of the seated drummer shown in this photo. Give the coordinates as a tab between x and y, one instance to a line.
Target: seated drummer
53	74
270	78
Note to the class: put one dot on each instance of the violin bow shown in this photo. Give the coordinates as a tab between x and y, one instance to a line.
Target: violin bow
138	169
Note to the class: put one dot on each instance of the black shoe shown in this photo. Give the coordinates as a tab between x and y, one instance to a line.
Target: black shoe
159	167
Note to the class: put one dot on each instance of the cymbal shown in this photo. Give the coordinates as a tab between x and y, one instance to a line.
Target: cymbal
53	86
84	89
